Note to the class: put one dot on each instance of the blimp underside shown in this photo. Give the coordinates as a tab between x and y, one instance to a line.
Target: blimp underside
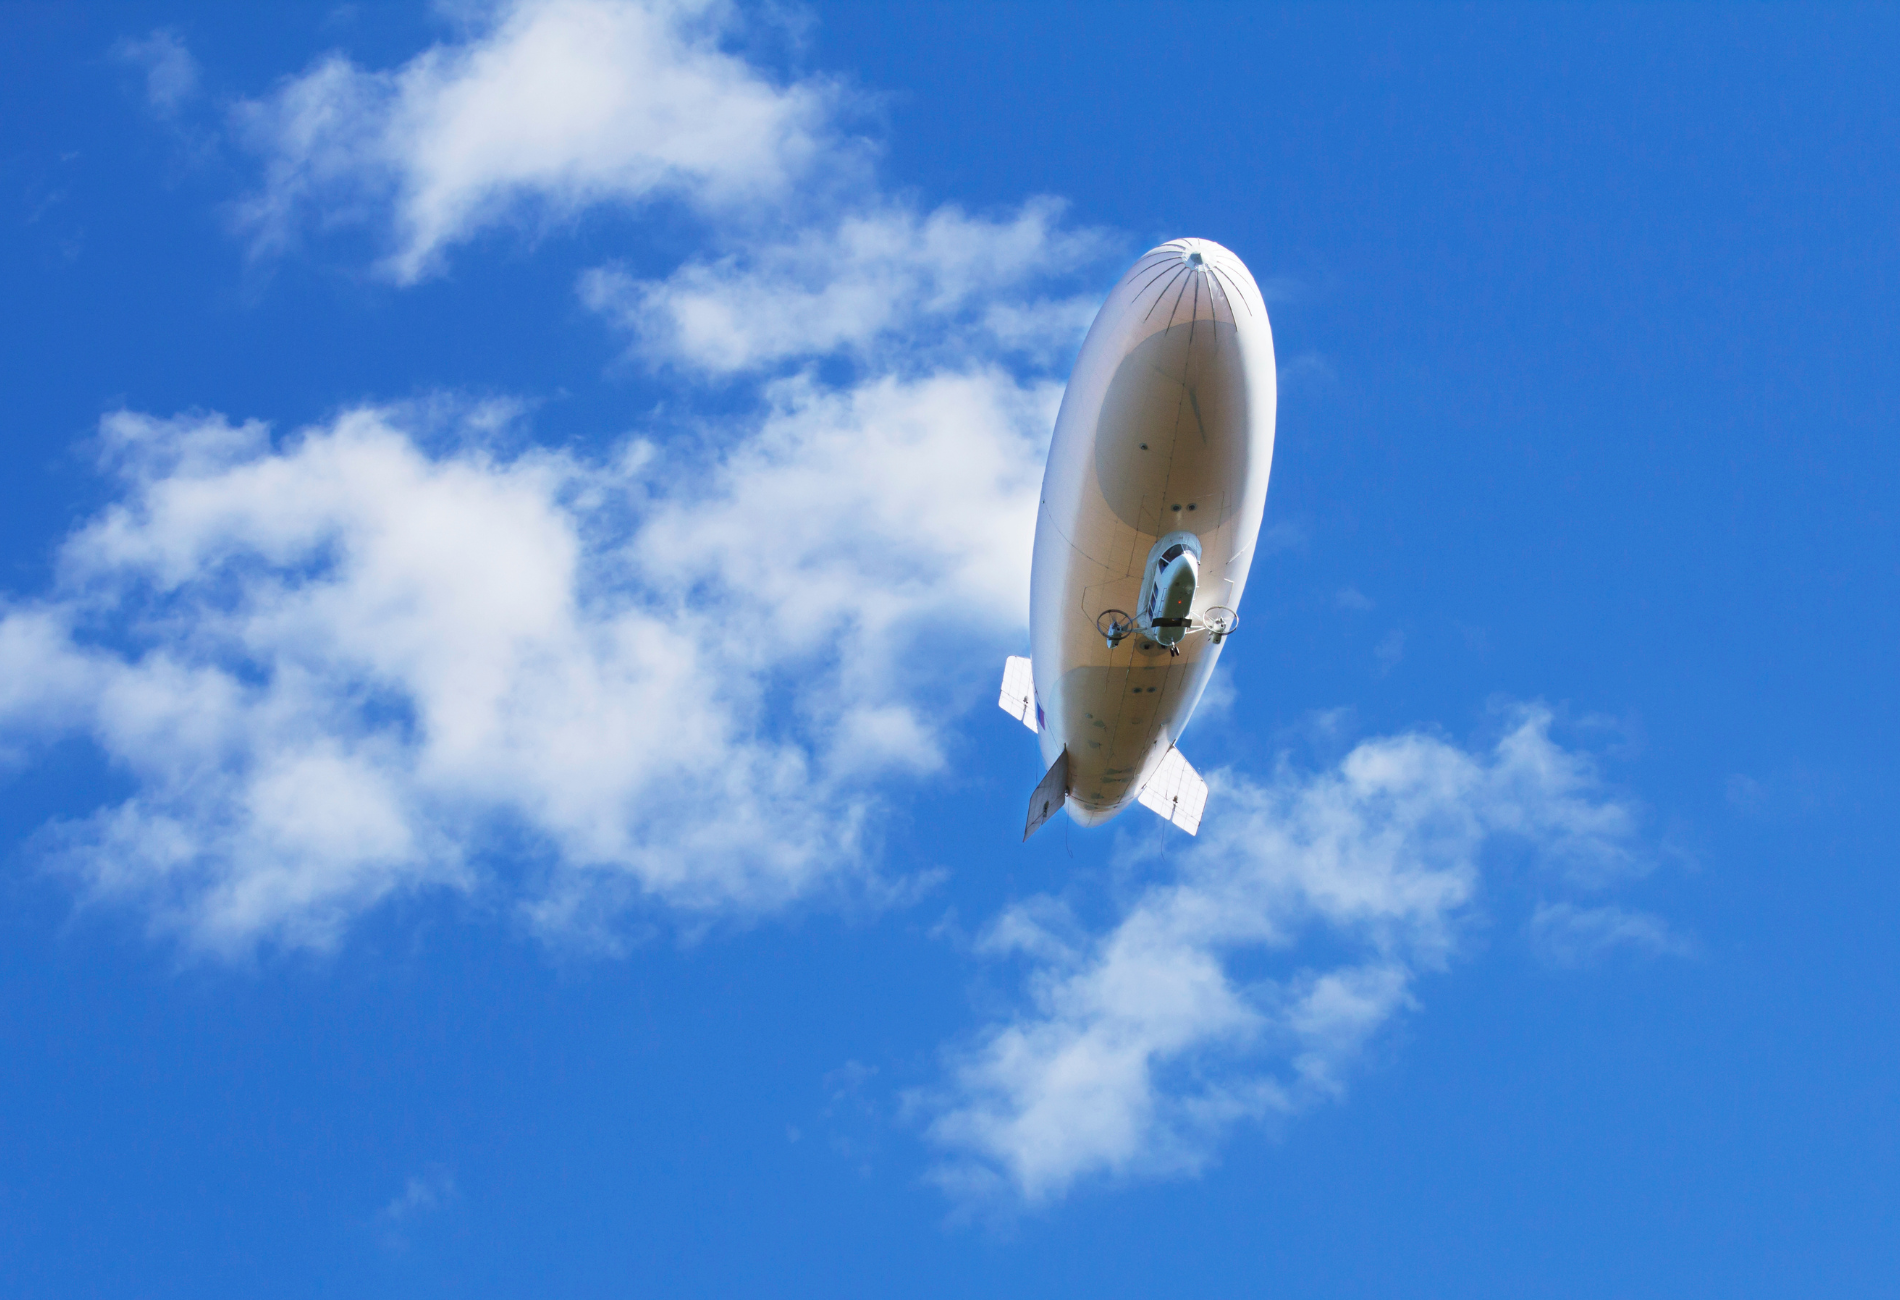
1151	504
1165	458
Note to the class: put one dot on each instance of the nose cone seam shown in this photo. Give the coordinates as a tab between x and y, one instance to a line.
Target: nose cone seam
1185	280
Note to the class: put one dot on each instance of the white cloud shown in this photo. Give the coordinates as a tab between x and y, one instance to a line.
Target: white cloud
548	107
171	73
874	277
1139	1047
555	106
340	668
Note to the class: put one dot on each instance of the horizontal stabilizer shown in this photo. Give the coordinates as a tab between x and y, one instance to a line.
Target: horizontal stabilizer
1177	792
1019	692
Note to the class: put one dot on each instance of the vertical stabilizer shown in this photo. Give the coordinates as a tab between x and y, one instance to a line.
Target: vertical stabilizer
1018	699
1177	792
1050	795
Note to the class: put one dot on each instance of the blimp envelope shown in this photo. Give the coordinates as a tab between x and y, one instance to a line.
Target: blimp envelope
1150	509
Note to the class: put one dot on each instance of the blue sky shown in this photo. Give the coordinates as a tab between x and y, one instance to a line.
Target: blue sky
518	516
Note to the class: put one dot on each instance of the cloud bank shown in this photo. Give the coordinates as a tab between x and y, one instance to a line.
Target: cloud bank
338	666
377	656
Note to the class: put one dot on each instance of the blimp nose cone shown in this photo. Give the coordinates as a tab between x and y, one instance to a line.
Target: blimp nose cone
1194	259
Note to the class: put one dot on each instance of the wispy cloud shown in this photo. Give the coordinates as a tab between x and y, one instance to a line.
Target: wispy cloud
1567	934
1389	651
942	284
171	73
423	1195
1139	1047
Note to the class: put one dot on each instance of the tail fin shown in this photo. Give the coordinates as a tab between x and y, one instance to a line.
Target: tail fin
1018	699
1177	792
1051	794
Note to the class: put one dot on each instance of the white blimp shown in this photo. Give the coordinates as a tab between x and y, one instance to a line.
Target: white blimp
1151	507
